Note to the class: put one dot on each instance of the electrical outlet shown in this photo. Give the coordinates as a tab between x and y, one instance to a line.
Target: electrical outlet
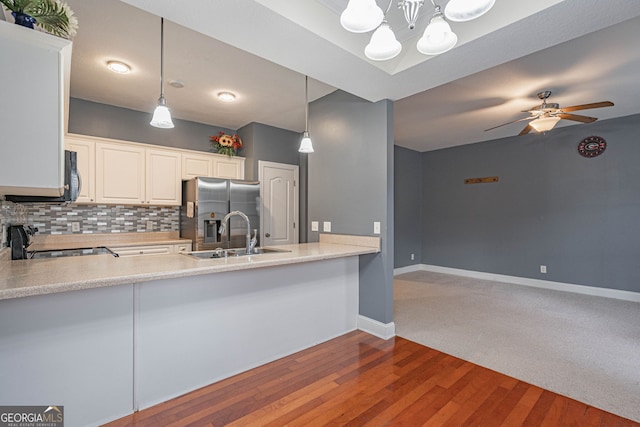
149	225
543	269
75	227
326	227
376	227
314	225
413	257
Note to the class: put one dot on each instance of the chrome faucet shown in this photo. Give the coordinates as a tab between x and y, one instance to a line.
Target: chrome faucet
223	226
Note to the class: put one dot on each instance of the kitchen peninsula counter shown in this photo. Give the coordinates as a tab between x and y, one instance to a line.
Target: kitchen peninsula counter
141	330
25	278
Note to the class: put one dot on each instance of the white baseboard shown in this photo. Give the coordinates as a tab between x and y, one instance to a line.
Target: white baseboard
407	269
375	328
536	283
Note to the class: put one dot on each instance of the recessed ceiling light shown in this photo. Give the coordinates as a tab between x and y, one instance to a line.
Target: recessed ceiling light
178	84
118	67
227	96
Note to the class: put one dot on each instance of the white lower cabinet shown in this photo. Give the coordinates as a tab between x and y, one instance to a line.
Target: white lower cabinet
125	251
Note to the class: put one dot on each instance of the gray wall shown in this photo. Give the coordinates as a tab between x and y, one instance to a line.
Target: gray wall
108	121
578	216
268	143
350	183
407	207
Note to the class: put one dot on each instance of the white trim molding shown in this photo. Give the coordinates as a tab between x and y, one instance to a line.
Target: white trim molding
375	328
524	281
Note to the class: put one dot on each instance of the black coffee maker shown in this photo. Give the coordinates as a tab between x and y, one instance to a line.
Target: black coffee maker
20	239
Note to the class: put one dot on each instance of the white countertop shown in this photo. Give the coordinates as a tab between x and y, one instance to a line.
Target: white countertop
23	278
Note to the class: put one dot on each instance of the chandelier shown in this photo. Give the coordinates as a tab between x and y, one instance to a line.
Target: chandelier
362	16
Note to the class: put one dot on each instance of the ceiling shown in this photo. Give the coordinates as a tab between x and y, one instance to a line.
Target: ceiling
262	49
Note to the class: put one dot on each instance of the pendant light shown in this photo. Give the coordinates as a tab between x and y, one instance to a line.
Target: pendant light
305	145
161	115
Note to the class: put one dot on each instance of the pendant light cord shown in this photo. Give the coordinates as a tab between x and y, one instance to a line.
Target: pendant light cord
306	103
162	58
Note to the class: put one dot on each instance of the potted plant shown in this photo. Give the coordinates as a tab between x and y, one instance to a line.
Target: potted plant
226	144
53	16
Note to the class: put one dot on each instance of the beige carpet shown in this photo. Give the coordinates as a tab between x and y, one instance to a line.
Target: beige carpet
584	347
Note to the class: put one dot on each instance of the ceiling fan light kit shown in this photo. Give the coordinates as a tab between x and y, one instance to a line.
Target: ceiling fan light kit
361	16
546	116
544	124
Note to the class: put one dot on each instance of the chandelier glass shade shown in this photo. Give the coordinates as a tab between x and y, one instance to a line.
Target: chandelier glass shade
466	10
438	37
383	45
361	16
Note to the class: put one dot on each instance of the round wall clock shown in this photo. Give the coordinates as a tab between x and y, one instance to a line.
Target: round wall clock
592	146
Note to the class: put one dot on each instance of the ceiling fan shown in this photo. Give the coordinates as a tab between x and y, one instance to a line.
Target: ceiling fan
546	115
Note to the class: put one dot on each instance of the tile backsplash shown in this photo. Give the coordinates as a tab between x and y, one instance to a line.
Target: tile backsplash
76	219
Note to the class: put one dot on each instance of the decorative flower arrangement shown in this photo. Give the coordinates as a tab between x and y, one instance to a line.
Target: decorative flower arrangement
226	144
53	16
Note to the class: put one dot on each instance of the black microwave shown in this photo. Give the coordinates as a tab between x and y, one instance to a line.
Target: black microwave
72	184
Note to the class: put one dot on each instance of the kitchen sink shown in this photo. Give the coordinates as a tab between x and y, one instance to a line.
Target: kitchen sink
233	252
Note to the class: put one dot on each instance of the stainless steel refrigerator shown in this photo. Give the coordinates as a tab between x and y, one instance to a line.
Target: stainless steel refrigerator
205	202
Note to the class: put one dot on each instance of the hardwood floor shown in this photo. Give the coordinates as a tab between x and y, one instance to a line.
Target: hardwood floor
361	380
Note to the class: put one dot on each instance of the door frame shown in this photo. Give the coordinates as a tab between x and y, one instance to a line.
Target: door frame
296	196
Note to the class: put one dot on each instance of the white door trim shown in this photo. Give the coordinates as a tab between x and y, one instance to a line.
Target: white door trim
262	164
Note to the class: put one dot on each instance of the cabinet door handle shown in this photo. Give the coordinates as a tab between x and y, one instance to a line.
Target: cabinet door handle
267	234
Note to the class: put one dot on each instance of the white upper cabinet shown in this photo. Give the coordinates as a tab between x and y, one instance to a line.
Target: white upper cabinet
163	184
86	158
212	165
35	75
228	167
194	165
120	174
130	173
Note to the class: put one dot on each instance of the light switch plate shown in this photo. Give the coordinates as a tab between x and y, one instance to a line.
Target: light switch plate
376	227
149	225
314	225
326	226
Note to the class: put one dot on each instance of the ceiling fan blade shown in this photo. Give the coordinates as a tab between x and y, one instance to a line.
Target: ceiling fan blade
504	124
526	130
588	106
577	118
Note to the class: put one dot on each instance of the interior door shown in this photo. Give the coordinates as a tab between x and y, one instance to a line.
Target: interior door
279	196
